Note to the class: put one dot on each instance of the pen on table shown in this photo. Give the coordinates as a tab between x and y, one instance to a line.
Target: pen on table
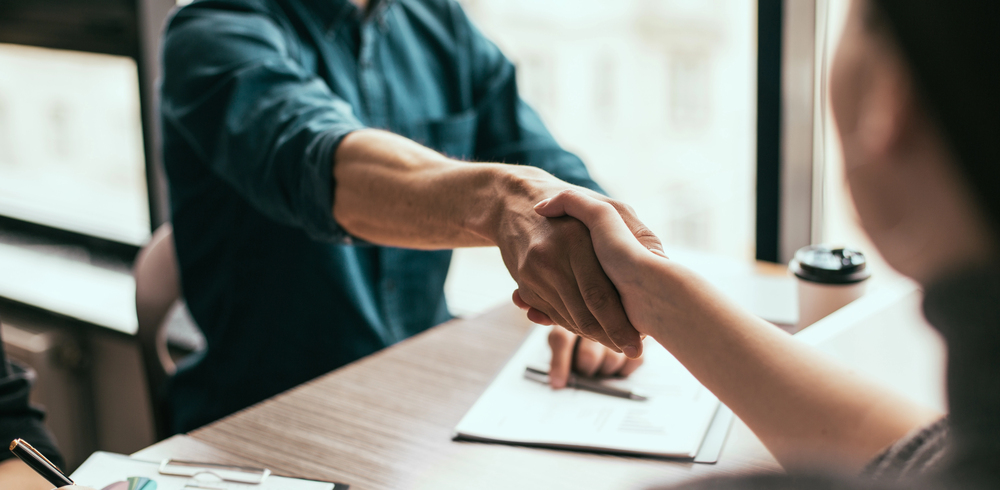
582	383
39	463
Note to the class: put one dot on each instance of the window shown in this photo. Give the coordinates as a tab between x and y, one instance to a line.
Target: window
658	98
838	220
74	159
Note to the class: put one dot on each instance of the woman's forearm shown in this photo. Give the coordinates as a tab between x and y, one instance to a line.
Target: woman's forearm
806	409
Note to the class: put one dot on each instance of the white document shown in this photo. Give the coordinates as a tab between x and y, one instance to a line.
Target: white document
672	422
105	469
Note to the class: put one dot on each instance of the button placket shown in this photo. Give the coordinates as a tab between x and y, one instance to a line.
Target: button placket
369	78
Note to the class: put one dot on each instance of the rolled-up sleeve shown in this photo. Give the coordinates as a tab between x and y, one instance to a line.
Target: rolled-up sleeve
510	131
234	91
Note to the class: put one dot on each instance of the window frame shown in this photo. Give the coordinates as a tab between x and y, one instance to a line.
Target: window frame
130	28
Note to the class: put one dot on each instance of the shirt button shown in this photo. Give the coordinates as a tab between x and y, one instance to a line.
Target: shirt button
390	285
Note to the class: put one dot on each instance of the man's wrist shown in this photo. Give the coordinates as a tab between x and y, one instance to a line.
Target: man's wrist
514	192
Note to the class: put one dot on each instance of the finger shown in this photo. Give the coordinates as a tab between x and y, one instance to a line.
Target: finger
630	366
546	308
536	316
518	301
561	341
604	304
613	363
639	230
589	357
585	324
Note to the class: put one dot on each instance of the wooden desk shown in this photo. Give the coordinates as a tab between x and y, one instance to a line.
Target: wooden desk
385	421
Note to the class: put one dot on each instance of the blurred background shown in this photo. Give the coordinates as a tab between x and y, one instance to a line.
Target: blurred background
709	117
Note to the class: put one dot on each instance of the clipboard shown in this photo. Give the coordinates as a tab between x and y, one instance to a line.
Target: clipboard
679	418
104	470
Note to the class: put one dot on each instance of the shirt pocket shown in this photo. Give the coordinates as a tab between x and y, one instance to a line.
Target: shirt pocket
454	135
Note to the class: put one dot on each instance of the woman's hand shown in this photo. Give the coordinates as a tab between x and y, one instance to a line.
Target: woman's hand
571	352
807	410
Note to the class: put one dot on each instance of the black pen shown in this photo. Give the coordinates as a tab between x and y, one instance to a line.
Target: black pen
39	463
582	383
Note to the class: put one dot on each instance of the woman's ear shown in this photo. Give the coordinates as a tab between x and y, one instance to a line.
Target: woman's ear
888	110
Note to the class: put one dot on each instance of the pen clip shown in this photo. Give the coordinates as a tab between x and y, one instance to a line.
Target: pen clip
227	473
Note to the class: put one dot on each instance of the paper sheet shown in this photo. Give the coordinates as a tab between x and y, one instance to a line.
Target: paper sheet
102	469
672	423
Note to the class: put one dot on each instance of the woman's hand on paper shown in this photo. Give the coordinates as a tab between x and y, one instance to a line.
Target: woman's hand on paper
585	357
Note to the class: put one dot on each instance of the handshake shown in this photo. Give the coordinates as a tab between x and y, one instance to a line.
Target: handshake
570	274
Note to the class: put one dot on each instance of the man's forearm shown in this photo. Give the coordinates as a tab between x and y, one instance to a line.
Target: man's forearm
392	191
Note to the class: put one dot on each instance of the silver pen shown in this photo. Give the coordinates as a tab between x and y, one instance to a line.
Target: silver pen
583	383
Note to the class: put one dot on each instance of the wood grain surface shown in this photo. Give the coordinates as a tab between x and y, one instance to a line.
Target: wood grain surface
386	422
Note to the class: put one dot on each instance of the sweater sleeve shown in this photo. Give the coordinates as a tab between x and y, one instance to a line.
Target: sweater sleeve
18	417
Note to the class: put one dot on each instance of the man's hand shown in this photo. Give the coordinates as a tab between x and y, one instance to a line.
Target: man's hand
573	353
559	278
393	192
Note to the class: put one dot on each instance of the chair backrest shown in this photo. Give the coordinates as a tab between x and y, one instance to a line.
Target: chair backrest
157	290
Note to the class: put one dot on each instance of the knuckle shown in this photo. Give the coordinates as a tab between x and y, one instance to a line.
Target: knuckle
597	297
529	296
568	194
539	257
590	326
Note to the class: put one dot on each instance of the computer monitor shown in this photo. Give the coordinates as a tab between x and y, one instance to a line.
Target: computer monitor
71	143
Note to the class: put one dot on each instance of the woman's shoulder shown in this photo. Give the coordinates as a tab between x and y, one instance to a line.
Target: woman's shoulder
898	466
917	453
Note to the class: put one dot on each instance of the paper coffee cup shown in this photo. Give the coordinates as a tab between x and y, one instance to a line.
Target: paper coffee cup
828	279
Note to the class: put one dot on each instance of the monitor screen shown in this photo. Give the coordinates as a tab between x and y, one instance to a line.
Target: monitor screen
71	147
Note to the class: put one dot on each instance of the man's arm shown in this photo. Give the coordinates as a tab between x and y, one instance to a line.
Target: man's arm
392	191
277	135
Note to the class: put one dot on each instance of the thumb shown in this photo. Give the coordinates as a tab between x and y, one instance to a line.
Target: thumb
642	233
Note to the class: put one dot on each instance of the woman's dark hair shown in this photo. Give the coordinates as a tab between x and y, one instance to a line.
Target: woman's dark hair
953	49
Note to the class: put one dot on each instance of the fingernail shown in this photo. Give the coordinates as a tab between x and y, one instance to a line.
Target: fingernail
542	203
630	351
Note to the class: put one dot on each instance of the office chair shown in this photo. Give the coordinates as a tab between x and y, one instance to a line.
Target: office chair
157	290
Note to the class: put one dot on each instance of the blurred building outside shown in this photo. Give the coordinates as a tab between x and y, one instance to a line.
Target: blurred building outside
71	152
659	99
657	96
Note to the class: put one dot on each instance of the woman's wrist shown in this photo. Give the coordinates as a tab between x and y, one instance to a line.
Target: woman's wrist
651	292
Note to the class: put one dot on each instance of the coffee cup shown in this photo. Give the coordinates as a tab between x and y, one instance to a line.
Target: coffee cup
828	279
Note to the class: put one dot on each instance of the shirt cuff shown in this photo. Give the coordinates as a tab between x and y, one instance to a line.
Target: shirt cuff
318	187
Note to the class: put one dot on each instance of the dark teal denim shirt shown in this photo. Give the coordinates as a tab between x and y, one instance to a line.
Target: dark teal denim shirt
256	96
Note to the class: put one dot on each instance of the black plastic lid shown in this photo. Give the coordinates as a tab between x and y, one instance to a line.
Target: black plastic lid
829	265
